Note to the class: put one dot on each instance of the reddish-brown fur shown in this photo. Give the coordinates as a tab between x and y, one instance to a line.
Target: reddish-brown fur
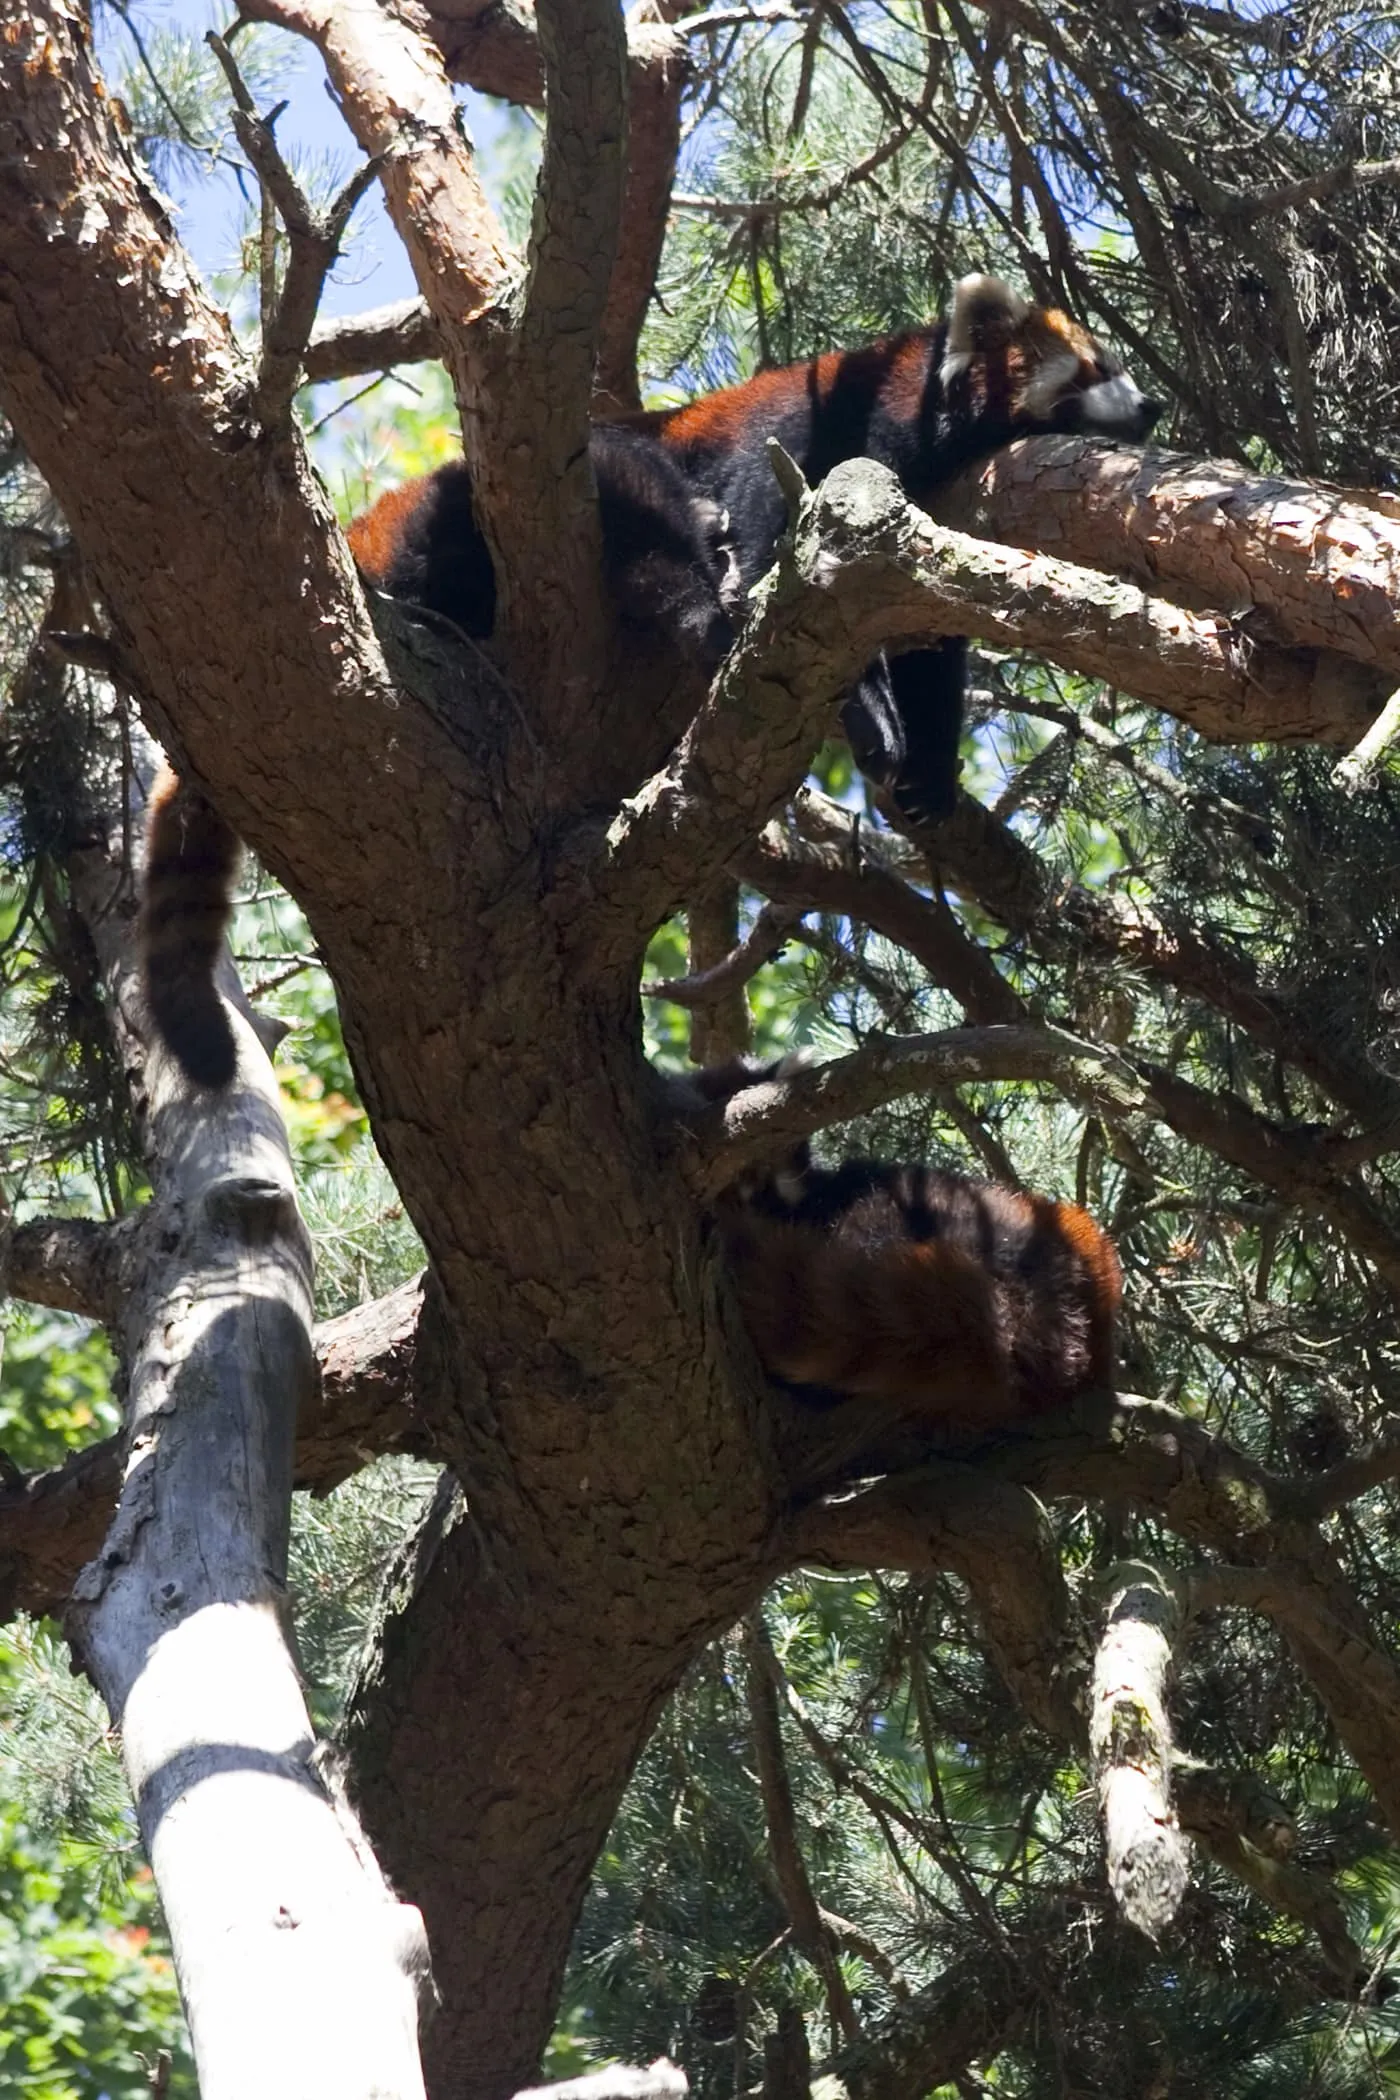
967	1305
376	535
191	861
962	1337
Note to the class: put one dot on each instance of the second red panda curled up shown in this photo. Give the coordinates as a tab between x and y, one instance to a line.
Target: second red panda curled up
968	1305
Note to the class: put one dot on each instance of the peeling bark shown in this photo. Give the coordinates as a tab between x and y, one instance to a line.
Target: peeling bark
360	1407
1323	569
272	1897
1130	1744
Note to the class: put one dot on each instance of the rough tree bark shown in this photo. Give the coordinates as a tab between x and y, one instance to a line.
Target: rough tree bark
483	847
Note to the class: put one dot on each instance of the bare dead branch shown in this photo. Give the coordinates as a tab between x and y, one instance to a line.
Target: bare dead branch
704	987
1362	764
392	88
402	334
809	1929
313	239
661	2080
1215	1497
949	1516
362	1407
1130	1746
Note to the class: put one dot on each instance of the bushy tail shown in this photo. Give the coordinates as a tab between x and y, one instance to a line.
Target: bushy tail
909	1321
191	862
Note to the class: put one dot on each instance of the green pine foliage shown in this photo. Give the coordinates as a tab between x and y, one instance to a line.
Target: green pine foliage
937	1826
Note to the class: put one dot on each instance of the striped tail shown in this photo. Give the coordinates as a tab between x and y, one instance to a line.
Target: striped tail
191	861
915	1322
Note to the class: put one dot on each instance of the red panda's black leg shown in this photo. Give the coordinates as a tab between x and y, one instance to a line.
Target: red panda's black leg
928	687
870	720
903	723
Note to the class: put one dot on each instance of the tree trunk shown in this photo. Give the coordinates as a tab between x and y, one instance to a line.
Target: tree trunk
272	1898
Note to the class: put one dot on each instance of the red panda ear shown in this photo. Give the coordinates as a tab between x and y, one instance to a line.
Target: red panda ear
986	315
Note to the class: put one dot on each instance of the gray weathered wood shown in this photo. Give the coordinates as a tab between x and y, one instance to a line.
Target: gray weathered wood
300	1971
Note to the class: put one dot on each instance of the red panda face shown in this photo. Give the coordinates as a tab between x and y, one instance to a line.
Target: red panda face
1038	367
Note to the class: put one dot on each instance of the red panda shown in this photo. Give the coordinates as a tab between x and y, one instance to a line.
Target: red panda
690	515
966	1305
665	564
192	860
926	403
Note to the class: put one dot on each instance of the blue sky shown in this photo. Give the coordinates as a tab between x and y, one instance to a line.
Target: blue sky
210	212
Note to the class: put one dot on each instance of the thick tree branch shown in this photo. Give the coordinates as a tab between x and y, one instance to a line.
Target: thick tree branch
51	1525
199	536
1348	1480
500	54
361	1407
72	1264
494	48
498	50
721	966
1324	569
1247	1830
522	383
1130	1748
656	74
776	1114
578	208
867	568
395	96
179	1619
402	334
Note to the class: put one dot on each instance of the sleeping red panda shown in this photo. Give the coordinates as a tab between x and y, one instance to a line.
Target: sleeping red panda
690	514
926	403
967	1305
665	564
